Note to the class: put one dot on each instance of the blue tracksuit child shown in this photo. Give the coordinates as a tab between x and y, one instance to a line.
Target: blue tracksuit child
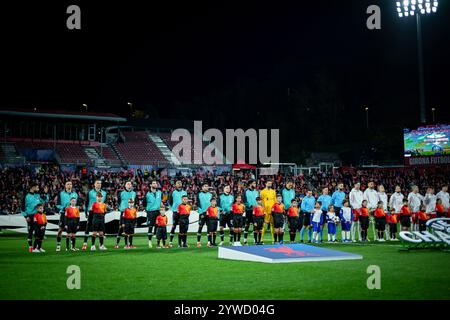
317	221
346	221
331	225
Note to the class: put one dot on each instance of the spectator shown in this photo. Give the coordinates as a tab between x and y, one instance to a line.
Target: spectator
15	181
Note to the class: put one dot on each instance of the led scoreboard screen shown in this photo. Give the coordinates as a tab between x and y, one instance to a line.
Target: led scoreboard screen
427	141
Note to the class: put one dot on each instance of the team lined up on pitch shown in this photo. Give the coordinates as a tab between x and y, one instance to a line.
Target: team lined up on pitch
257	209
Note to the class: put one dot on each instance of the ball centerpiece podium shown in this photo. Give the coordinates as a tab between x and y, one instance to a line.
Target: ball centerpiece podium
284	253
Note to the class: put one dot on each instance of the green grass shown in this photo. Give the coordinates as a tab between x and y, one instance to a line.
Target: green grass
197	273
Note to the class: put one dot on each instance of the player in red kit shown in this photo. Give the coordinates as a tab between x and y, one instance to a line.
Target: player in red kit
292	214
364	220
40	222
380	221
258	220
161	228
212	220
423	217
392	220
184	210
238	209
72	218
405	216
278	219
129	216
440	210
99	209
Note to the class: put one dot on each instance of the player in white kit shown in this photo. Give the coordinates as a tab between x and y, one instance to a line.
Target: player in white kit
356	198
414	201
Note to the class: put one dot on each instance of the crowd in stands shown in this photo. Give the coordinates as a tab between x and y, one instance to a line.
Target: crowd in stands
15	182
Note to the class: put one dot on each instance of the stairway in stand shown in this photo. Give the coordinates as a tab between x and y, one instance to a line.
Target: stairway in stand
164	149
95	157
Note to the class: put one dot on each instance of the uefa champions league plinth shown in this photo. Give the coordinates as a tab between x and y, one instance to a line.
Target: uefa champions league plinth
284	253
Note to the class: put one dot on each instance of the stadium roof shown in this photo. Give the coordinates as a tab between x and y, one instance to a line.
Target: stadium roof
62	114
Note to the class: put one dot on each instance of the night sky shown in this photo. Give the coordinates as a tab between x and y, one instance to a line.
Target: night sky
231	65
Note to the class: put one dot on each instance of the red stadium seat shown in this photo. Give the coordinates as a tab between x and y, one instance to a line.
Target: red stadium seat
139	149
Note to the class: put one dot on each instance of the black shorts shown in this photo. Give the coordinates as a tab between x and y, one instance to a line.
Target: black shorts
202	219
306	218
72	225
184	223
129	226
212	224
405	221
248	217
238	220
98	223
258	223
62	221
422	225
293	223
89	223
226	220
380	223
392	227
151	217
38	232
161	233
278	220
364	221
175	219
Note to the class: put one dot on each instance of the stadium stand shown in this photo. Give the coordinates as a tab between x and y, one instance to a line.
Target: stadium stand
164	148
108	155
166	137
66	152
139	149
69	138
70	153
9	154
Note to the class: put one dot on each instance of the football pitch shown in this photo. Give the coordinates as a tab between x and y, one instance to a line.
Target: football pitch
196	273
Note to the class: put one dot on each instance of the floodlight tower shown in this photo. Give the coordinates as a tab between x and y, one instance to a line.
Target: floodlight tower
407	8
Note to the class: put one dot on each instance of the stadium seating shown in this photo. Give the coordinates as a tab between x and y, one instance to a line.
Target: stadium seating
139	149
67	152
29	144
109	155
166	137
7	150
9	154
71	153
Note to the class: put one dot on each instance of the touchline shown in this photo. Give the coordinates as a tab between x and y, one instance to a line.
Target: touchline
212	153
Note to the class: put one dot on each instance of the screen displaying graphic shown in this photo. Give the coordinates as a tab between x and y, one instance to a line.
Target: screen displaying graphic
427	141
